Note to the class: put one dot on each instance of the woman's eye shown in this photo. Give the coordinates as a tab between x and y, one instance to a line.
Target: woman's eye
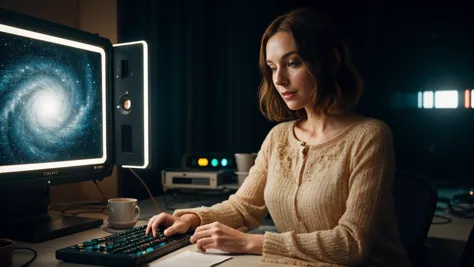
293	64
273	69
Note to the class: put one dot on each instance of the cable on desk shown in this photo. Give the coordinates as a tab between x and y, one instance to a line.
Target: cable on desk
81	204
78	203
100	190
77	207
182	196
148	190
70	205
97	207
167	202
32	258
82	211
456	209
445	219
460	211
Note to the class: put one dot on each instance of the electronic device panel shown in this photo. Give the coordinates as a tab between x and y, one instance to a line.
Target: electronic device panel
180	179
208	161
131	104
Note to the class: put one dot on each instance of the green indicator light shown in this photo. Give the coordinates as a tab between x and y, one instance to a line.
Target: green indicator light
214	162
224	162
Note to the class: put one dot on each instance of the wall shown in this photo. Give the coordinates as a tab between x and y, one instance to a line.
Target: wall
91	16
62	12
99	17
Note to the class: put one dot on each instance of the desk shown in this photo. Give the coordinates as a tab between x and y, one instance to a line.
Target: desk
446	241
46	250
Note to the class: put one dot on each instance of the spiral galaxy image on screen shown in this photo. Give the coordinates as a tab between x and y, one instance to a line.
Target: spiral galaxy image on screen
51	102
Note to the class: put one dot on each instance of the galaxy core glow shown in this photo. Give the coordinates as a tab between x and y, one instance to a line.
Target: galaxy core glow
52	95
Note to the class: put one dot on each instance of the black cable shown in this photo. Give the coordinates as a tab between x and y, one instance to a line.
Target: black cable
168	202
102	210
32	258
446	219
65	210
179	196
460	211
456	208
68	211
78	204
100	191
147	189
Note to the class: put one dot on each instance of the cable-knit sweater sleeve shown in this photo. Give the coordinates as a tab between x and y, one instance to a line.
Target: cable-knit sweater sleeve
349	243
245	208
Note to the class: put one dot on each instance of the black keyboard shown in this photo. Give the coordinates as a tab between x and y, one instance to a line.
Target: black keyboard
129	248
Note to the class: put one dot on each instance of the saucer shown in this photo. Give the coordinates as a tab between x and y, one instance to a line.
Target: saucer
122	225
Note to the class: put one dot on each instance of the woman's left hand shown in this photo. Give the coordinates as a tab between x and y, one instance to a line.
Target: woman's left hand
219	236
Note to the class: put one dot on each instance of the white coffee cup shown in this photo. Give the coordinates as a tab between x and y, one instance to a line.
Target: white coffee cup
123	210
245	161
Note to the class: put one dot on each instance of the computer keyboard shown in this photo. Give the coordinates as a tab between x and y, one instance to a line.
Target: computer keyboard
129	248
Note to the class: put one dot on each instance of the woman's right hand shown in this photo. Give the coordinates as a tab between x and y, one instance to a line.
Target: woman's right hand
172	224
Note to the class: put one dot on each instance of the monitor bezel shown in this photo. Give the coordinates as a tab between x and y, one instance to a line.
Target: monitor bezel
61	175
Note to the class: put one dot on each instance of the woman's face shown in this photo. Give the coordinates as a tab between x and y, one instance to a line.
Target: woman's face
291	78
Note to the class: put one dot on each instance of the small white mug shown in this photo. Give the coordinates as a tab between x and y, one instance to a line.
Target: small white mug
123	210
245	161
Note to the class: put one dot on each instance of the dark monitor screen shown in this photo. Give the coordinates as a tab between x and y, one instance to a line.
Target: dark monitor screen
52	92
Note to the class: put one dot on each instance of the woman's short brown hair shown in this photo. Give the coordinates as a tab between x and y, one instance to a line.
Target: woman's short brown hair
339	85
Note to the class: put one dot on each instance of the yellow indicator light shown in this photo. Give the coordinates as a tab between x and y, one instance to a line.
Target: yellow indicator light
203	162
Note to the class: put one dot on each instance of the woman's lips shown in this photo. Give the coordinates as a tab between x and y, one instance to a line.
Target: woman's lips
288	94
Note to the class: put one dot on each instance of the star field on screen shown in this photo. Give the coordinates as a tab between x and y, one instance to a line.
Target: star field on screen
50	102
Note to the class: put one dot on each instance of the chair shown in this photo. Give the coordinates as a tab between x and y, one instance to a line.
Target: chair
415	200
467	258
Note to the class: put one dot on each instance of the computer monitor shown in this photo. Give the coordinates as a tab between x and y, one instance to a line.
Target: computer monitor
55	91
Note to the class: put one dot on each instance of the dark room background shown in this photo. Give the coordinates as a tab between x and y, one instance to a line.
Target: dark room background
204	77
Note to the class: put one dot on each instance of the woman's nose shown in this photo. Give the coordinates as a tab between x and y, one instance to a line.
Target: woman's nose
279	77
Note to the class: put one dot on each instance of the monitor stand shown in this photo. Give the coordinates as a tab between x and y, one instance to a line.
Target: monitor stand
25	217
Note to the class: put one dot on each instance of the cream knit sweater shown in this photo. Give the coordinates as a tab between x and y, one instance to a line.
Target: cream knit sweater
331	203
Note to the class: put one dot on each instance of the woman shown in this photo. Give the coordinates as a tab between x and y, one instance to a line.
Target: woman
324	174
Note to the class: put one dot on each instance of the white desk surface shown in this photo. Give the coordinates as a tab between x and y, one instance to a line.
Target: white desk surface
447	242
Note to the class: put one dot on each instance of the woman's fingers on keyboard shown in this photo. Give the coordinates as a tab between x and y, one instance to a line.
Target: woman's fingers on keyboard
158	221
148	226
170	230
154	222
177	227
